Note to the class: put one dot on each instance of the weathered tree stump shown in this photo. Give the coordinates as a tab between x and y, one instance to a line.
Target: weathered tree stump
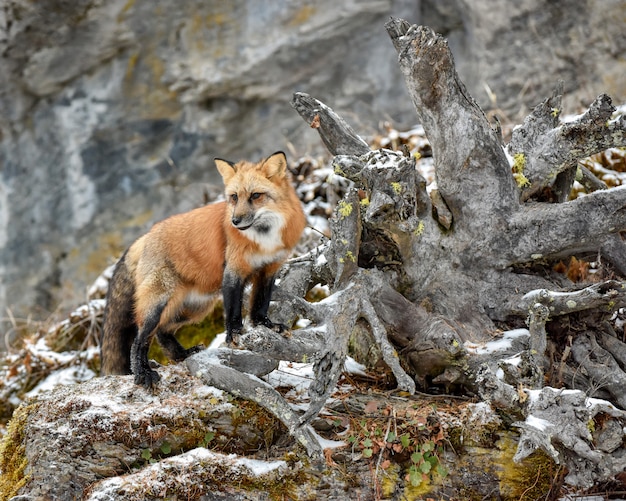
440	277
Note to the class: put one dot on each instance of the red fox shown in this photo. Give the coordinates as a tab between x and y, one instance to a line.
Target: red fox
169	276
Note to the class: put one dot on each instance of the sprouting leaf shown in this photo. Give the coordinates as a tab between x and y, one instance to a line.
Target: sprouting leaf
146	454
367	442
405	440
414	477
166	448
417	457
425	467
367	453
391	436
442	470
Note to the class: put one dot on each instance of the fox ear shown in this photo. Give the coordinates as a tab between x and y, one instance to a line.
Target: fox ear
275	165
226	169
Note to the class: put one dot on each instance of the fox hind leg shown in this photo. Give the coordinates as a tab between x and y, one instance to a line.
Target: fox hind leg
174	350
144	374
193	309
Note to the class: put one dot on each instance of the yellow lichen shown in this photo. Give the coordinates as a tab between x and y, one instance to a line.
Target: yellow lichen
344	208
397	188
519	162
365	202
555	112
521	180
420	229
337	170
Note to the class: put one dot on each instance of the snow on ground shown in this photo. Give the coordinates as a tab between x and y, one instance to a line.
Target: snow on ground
183	470
69	375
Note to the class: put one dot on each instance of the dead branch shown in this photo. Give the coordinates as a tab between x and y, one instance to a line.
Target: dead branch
547	148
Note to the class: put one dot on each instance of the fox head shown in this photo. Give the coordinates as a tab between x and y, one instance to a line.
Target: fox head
255	192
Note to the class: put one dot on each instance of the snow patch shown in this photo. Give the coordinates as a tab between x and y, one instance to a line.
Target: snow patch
502	344
67	376
538	423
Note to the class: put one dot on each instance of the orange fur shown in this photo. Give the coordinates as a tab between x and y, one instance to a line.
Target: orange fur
171	274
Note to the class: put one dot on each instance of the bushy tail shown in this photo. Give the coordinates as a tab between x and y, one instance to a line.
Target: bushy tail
119	330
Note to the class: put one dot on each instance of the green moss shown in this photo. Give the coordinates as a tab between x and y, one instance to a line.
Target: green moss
529	479
249	415
13	459
193	334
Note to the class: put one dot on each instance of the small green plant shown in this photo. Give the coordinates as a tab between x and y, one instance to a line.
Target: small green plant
425	462
208	437
146	454
408	440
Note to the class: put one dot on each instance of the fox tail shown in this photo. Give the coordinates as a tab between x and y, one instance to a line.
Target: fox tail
119	329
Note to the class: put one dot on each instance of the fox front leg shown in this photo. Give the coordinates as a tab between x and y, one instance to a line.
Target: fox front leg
232	293
262	287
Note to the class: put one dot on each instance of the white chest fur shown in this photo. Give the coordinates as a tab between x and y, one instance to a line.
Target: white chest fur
267	233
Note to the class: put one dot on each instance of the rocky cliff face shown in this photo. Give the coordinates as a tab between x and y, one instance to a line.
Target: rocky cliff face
112	111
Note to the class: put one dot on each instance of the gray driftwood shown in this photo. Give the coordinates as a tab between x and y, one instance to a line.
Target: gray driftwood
436	277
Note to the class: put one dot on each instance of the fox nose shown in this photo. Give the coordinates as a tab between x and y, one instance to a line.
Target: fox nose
235	220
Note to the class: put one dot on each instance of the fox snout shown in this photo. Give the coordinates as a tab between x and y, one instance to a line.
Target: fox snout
242	221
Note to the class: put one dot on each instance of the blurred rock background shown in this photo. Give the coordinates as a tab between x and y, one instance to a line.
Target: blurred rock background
111	111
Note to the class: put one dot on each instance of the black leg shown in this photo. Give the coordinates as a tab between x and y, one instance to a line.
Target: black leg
173	348
261	297
232	291
144	375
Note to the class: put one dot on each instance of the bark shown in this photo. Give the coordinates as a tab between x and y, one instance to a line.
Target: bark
460	263
550	149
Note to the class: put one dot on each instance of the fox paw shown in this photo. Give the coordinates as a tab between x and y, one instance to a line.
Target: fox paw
147	378
266	322
232	337
194	349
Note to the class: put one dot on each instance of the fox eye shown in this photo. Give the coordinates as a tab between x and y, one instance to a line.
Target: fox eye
234	197
255	196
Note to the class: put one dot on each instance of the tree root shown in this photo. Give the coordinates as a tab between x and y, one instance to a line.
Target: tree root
213	371
562	423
